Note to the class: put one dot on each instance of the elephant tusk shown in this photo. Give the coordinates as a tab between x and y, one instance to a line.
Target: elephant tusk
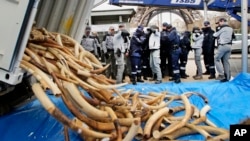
177	125
133	130
151	121
50	107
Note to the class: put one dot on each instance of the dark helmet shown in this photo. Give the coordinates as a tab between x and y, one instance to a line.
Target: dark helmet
187	33
139	31
169	26
165	24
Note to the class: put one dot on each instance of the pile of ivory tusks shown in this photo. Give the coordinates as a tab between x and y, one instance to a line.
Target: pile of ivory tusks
61	65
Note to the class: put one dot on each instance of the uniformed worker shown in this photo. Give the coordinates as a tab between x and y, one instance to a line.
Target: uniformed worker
165	51
88	42
185	45
135	52
120	42
108	50
224	36
208	50
174	40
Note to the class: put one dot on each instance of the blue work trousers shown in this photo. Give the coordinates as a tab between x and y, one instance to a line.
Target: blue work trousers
135	65
175	56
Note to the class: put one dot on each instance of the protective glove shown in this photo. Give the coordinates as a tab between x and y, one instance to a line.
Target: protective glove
119	52
106	55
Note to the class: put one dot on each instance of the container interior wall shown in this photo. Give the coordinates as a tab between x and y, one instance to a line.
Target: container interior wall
64	16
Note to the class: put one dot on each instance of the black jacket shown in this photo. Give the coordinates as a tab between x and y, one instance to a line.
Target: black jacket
208	41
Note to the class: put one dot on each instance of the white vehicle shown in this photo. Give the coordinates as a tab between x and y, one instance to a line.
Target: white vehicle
237	43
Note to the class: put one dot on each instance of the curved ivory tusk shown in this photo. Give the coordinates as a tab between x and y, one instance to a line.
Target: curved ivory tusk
44	84
210	123
51	84
58	39
87	86
100	70
84	73
118	130
196	113
76	49
85	106
101	86
157	124
50	67
37	46
199	130
177	125
91	57
102	126
161	105
50	107
221	137
203	113
33	55
151	121
111	113
156	99
133	130
198	94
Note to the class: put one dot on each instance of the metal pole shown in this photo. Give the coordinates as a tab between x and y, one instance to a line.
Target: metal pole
244	29
205	9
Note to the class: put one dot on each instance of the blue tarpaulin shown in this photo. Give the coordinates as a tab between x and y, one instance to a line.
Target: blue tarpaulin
229	105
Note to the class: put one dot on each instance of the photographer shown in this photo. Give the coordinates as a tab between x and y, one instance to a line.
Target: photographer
120	42
197	47
224	34
154	47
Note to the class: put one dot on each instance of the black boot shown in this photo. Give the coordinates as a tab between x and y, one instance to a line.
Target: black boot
177	78
207	72
183	74
133	79
212	73
212	76
225	79
139	77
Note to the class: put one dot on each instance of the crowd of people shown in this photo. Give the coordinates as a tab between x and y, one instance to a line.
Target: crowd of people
151	53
